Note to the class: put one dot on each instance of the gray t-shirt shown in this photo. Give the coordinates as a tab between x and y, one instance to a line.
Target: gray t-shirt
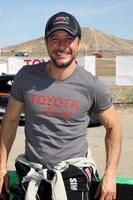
56	112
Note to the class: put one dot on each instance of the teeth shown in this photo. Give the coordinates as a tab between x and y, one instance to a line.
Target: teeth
62	53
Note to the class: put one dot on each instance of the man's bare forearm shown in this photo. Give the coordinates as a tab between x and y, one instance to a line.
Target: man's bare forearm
113	138
7	135
113	149
9	124
110	120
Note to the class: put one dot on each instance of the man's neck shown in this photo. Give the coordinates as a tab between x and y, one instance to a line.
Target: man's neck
61	73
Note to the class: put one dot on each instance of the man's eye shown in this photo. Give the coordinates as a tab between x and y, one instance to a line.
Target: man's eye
54	38
70	38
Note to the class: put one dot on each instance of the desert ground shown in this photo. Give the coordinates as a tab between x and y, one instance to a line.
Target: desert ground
95	137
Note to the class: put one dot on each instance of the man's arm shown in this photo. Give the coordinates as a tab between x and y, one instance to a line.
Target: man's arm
7	135
110	120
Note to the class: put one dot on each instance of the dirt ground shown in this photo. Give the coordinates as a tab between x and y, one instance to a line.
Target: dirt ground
95	137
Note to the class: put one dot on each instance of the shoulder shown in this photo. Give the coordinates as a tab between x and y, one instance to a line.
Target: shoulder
85	73
30	70
89	79
95	89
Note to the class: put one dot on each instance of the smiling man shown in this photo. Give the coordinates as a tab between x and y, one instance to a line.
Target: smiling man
58	98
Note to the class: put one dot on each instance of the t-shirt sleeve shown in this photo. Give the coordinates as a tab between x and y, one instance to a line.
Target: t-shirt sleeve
17	87
102	97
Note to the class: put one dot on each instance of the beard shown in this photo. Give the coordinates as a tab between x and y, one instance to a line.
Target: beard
62	65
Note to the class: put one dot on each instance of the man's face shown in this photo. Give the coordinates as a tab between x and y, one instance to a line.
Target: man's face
62	48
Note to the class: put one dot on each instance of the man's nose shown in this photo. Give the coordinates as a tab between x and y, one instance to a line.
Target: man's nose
63	44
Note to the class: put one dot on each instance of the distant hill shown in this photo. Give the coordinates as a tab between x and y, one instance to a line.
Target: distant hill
93	41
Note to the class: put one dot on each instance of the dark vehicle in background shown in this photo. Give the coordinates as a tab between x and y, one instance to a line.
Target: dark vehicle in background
6	81
21	54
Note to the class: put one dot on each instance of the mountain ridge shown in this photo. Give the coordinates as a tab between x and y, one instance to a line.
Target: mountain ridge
92	41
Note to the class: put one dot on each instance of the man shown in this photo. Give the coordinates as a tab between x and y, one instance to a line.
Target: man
57	98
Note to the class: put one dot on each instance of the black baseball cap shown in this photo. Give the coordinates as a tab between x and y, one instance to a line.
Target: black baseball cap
63	21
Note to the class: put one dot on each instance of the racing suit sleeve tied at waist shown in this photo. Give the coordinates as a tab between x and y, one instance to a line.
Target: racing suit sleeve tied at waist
53	176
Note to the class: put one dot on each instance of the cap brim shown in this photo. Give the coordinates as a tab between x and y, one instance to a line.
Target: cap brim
71	32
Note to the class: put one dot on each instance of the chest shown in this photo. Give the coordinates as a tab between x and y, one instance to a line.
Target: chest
64	100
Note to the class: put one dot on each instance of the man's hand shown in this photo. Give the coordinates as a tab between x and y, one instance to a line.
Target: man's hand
106	189
4	184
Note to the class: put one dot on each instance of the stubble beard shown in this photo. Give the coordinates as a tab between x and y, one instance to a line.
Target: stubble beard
62	65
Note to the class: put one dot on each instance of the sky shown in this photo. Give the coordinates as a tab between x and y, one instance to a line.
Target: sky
25	20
